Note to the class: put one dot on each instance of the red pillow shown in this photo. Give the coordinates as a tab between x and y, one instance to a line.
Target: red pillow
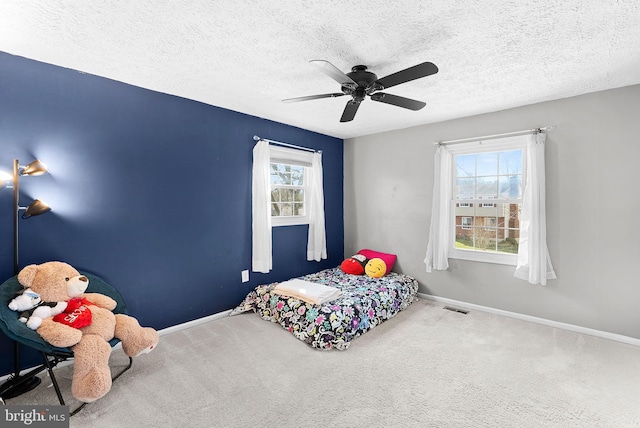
354	265
388	259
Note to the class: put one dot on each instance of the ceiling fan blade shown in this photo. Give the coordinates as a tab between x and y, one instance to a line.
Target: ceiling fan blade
408	74
312	97
396	100
350	111
332	71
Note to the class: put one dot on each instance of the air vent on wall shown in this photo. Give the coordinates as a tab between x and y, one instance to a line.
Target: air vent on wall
452	309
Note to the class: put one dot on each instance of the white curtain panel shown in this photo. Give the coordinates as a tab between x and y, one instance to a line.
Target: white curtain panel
261	257
317	240
440	230
534	263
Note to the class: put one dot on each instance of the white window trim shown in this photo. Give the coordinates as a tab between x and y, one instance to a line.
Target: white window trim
502	144
484	256
288	156
289	220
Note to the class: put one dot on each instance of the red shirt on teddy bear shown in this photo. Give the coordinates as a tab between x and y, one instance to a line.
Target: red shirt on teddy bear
77	314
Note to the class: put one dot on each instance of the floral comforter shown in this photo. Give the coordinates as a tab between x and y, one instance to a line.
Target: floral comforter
365	303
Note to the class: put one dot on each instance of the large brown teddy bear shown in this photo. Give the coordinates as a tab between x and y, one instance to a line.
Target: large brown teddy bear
95	325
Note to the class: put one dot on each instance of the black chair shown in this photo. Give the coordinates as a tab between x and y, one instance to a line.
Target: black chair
52	355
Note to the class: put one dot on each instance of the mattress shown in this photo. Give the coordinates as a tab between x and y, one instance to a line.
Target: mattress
364	303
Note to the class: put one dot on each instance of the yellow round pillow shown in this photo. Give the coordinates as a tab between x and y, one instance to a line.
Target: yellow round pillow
375	268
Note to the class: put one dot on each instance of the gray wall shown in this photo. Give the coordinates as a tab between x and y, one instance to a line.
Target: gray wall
592	159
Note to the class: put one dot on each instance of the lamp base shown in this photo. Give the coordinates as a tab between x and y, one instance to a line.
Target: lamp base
17	386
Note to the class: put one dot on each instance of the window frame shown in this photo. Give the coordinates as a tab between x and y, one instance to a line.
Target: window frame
292	157
477	147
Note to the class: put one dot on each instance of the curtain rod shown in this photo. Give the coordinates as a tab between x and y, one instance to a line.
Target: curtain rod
507	134
256	138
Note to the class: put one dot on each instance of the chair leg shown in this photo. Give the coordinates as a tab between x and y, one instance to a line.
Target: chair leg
124	370
80	407
53	376
50	367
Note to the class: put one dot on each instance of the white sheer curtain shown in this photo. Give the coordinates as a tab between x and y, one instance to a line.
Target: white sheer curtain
317	240
440	230
263	155
261	257
534	263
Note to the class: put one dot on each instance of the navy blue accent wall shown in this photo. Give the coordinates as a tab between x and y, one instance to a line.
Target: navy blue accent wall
149	191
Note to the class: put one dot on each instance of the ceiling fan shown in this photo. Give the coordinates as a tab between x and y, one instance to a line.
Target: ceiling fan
359	83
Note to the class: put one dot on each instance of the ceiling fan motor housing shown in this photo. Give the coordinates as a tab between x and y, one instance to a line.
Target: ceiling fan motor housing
365	80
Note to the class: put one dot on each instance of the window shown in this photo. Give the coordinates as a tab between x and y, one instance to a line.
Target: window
289	186
483	230
287	193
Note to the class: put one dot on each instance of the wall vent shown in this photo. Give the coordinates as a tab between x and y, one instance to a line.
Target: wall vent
452	309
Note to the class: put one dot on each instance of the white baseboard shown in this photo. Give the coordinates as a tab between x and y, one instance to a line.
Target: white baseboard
162	332
550	323
193	323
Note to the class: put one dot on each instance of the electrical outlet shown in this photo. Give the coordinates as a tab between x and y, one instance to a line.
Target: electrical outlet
245	276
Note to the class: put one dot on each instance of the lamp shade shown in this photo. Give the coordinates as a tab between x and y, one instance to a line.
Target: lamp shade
35	168
5	178
36	207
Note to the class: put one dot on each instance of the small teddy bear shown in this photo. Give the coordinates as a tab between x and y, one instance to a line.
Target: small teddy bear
33	310
25	300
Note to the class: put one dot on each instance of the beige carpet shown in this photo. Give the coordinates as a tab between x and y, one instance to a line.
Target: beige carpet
427	367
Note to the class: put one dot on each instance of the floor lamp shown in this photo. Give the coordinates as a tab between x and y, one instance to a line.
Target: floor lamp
17	384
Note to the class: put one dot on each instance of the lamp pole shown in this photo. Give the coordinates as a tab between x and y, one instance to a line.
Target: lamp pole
18	384
16	208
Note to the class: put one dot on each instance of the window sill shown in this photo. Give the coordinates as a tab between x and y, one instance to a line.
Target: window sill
288	221
484	257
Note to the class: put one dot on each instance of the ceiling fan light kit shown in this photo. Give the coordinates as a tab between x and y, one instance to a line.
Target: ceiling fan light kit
360	83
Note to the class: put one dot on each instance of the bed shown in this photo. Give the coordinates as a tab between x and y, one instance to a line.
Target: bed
364	303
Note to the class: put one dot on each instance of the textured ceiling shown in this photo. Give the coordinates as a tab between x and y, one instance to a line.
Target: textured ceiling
248	55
